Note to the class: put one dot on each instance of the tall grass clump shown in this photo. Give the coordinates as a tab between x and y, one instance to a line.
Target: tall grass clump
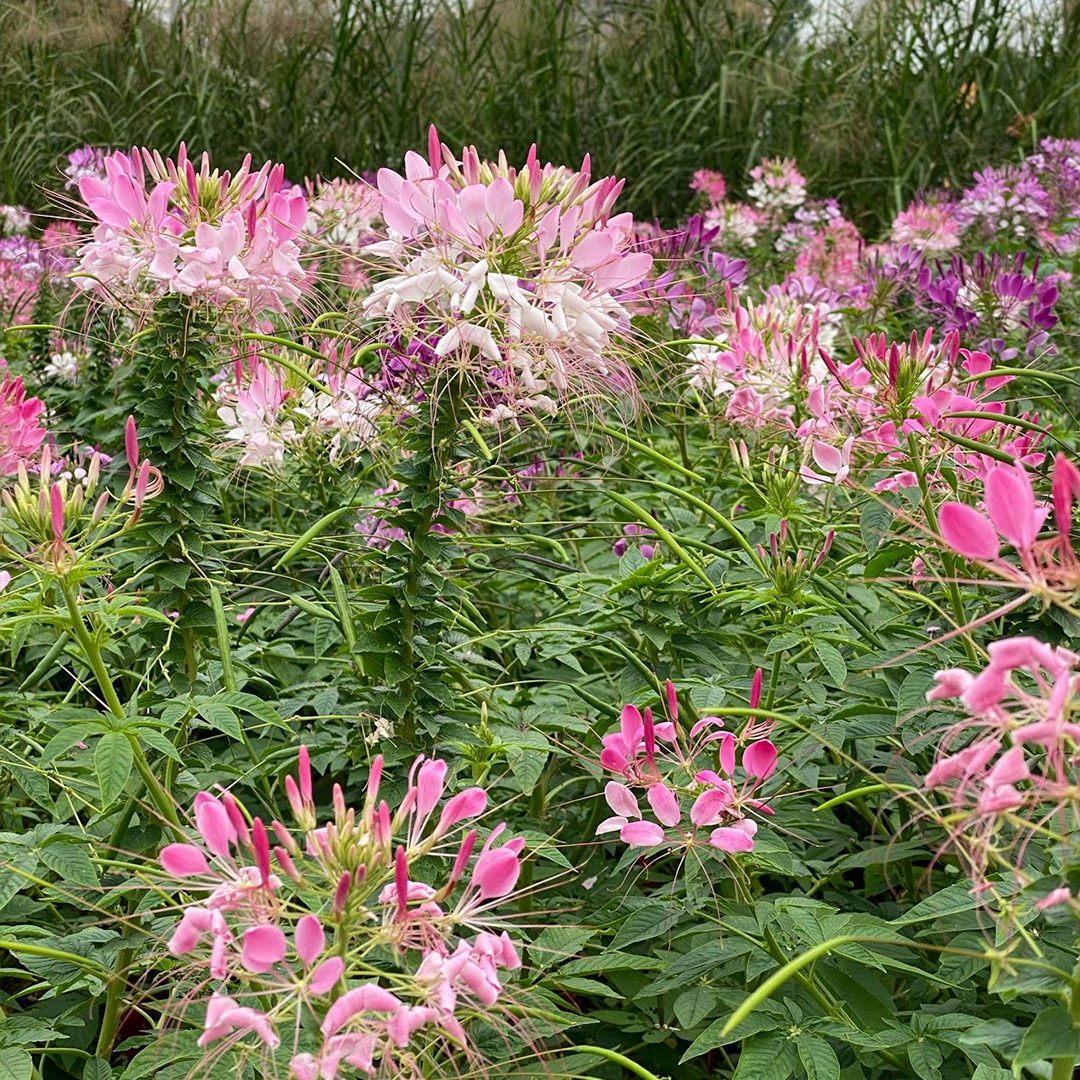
877	102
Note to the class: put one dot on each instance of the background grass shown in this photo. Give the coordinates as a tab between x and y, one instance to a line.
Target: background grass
896	96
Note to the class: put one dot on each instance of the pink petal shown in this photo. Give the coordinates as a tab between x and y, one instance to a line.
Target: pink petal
263	947
621	800
642	834
731	839
184	860
664	804
968	532
1010	502
310	938
326	975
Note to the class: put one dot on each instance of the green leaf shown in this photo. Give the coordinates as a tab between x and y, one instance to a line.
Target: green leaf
818	1058
911	697
97	1069
950	901
713	1036
593	987
874	522
768	1057
1051	1035
653	921
686	968
833	662
218	715
15	1064
13	859
694	1005
71	860
925	1058
989	1072
558	943
113	758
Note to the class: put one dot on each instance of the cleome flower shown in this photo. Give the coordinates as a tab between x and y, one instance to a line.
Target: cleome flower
517	276
1017	775
360	881
165	228
658	758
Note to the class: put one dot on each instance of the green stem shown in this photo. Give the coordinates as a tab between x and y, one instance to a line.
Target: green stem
94	658
615	1056
1062	1068
114	1000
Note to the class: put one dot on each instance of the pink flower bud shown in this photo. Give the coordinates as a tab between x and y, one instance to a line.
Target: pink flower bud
262	851
56	511
131	444
341	894
287	865
304	773
755	690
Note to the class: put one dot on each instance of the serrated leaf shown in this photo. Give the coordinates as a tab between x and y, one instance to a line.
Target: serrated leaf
911	696
949	901
1051	1035
14	859
71	860
925	1058
874	523
113	759
696	1004
833	662
818	1058
712	1036
653	921
15	1064
578	985
558	943
767	1057
218	715
684	969
97	1069
159	742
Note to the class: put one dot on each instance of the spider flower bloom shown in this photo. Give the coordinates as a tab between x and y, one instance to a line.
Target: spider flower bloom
1017	777
518	276
356	872
690	803
929	227
21	434
164	228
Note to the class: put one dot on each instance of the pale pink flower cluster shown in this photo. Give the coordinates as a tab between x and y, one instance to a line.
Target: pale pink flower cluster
517	276
260	933
252	410
1017	776
660	759
737	224
344	214
762	353
893	391
778	185
710	185
21	431
930	227
165	228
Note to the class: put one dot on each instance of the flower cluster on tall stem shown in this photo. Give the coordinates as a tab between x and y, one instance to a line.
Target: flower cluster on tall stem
516	275
670	765
328	938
